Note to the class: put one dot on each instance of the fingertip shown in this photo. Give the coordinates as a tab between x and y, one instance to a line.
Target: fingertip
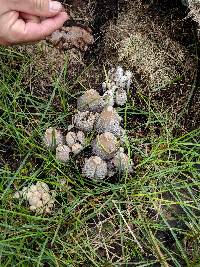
46	27
55	7
64	15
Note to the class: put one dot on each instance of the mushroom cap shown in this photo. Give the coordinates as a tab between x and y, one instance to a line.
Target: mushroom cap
118	77
122	161
62	153
80	137
119	73
71	138
109	97
53	138
121	97
77	148
128	74
95	168
109	121
105	145
33	201
90	101
84	121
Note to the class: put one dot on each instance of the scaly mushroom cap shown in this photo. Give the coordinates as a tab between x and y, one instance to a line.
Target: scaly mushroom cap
122	162
121	97
71	138
105	145
84	121
81	137
109	97
95	168
53	138
109	121
62	153
90	101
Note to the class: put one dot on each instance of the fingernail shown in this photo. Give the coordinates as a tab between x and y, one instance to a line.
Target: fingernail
55	6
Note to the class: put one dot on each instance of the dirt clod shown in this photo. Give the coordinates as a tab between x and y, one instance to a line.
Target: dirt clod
72	37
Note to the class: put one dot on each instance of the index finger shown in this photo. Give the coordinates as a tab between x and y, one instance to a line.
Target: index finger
31	31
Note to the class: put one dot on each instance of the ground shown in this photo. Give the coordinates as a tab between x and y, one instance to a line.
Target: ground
149	218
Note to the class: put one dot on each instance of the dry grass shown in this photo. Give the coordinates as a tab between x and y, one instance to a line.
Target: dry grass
194	6
144	45
152	47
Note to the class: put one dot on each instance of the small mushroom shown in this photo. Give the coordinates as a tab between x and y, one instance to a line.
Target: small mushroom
71	138
62	153
90	101
81	137
129	76
118	74
109	97
77	148
84	121
53	138
119	78
111	168
39	197
95	168
109	121
121	97
122	162
105	145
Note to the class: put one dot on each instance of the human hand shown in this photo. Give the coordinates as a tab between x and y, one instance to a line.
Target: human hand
23	21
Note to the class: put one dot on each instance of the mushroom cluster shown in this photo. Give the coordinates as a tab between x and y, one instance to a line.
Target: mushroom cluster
96	114
117	84
39	197
73	143
97	124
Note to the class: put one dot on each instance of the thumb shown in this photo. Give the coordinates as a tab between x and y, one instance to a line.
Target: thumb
41	8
